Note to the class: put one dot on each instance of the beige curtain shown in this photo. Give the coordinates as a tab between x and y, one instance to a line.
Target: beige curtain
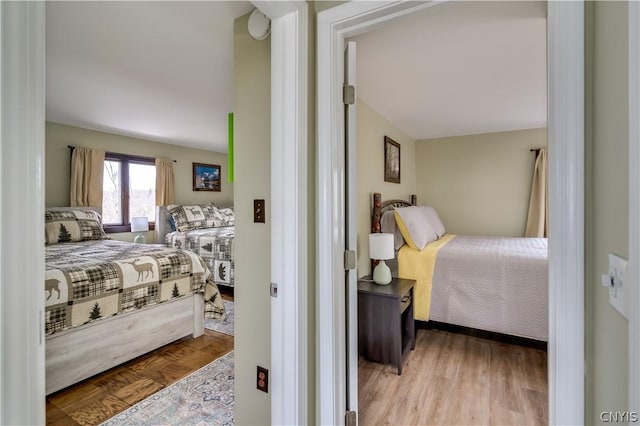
165	183
87	167
537	220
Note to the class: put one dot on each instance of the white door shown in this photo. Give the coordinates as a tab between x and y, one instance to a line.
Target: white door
350	230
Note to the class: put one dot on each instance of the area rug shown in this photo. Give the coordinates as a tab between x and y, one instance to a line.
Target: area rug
205	397
224	325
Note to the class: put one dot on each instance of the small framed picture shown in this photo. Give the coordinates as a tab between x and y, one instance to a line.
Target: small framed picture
391	160
206	177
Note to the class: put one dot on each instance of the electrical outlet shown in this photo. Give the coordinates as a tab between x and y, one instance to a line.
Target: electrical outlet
262	382
258	211
618	277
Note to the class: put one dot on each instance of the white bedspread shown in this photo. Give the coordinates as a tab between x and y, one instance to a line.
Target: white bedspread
493	283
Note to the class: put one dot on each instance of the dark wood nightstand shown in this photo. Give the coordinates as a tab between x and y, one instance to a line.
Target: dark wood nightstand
386	328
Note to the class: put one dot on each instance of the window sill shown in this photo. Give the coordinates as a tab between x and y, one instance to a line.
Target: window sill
116	229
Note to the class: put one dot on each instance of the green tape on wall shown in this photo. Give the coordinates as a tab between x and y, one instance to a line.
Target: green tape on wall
230	153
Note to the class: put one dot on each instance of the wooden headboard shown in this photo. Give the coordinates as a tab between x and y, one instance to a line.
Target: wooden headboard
66	208
379	207
162	226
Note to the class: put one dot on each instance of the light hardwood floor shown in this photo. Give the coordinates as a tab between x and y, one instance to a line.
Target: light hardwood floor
453	379
101	397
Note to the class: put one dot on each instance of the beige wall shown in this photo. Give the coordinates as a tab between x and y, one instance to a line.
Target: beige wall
608	204
479	184
57	166
372	128
251	88
252	246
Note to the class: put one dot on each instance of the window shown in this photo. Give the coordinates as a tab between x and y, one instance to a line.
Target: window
129	190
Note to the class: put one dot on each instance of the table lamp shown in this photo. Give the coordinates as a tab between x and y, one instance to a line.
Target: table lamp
139	224
381	248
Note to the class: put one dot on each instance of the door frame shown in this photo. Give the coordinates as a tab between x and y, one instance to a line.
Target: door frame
565	67
289	210
634	206
22	153
22	373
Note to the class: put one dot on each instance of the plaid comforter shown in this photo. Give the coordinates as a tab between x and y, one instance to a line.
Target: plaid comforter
214	245
89	280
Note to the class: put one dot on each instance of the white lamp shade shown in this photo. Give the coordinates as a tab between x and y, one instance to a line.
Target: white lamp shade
139	224
381	246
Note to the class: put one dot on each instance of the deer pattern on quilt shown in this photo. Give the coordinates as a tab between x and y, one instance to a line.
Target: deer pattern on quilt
143	269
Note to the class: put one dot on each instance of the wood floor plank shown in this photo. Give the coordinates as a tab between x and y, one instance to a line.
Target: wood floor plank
454	379
138	390
167	374
99	411
116	379
53	412
77	396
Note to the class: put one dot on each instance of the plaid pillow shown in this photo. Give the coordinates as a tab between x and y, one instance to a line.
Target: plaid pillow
187	217
63	226
229	216
213	216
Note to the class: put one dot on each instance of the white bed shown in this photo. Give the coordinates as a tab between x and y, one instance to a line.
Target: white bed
213	243
81	343
495	284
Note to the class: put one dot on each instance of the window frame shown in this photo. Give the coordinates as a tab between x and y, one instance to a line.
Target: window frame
125	160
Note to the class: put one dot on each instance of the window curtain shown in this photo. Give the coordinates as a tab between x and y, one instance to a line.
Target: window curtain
87	167
165	182
537	221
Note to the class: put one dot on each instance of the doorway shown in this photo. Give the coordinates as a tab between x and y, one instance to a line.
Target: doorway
566	140
439	83
22	371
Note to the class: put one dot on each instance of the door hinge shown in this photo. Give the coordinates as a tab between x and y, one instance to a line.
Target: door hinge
349	94
273	289
350	418
349	260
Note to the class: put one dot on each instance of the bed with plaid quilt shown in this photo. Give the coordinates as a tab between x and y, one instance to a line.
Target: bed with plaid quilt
89	280
214	245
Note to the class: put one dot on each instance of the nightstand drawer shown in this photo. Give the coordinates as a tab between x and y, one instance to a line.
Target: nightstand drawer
405	302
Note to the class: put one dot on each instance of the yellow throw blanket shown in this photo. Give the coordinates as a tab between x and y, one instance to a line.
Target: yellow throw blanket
419	266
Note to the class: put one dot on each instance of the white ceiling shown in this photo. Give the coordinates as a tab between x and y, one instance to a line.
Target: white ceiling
459	68
156	70
163	70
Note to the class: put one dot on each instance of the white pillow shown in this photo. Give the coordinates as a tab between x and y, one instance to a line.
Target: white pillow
415	226
433	217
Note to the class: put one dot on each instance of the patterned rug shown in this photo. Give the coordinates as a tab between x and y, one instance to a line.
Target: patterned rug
224	325
205	397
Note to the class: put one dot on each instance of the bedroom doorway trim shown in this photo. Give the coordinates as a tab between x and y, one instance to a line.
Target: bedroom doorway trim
22	394
22	375
565	41
634	206
289	206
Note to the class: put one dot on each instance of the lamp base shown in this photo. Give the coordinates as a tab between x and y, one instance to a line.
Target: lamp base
139	239
382	274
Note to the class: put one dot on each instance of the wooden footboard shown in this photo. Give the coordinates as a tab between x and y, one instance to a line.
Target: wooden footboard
77	354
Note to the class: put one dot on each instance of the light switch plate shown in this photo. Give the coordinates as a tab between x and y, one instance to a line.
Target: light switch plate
258	211
618	274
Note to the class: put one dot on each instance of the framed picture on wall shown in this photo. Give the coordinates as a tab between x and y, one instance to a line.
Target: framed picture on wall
391	160
206	177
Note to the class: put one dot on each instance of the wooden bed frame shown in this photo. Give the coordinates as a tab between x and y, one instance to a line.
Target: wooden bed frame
380	207
79	353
